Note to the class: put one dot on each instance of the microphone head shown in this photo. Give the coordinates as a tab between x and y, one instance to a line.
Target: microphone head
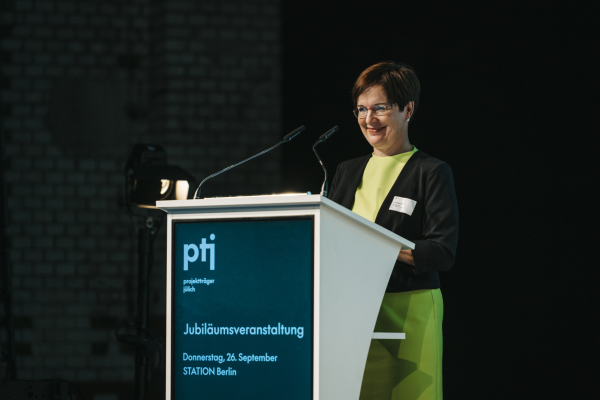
293	134
327	134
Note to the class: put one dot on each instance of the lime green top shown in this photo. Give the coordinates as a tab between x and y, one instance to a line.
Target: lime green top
378	178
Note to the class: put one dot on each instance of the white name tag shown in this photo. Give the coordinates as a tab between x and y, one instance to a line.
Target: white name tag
403	205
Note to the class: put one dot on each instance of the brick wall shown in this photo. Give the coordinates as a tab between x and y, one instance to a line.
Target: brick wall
80	82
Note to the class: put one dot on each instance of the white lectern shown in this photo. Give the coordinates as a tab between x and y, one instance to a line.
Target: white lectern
351	260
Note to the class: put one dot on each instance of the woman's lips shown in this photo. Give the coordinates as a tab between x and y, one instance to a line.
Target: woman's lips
375	130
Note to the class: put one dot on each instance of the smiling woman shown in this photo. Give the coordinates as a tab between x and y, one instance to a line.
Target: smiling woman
386	96
411	194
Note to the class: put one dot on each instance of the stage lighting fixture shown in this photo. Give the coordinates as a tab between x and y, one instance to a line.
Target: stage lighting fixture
150	178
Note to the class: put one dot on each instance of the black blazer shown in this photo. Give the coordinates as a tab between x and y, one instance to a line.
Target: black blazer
433	225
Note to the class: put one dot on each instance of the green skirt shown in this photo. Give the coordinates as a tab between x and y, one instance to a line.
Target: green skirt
411	368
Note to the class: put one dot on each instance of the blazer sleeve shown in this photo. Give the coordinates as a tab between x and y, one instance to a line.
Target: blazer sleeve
437	250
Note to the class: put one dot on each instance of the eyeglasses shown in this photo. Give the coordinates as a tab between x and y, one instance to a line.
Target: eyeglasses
379	110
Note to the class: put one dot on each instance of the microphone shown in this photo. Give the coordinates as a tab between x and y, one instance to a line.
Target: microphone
292	134
323	138
285	139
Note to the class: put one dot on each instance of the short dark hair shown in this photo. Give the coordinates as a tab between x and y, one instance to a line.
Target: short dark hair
398	80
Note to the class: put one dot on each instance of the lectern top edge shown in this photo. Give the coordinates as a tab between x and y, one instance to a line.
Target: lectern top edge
274	202
241	201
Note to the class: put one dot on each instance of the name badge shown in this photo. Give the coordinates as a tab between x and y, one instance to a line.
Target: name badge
403	205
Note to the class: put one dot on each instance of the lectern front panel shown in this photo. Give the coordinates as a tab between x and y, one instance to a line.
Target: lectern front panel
242	308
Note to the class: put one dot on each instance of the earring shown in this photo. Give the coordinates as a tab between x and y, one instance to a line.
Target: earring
408	120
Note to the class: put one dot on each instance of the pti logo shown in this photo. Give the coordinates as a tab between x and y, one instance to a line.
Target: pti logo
203	247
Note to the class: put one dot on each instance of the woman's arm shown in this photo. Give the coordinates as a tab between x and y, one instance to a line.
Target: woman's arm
436	250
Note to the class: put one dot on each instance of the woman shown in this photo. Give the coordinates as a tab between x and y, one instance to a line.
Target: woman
412	194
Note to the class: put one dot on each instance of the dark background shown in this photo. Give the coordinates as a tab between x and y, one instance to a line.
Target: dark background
507	96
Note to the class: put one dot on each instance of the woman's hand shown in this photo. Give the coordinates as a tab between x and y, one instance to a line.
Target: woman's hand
406	257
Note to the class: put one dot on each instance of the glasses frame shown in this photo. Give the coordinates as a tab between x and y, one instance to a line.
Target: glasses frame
380	114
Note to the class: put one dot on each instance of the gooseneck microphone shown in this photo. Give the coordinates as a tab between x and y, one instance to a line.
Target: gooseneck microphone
323	138
285	139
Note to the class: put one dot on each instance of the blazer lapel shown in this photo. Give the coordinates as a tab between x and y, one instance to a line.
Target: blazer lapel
354	175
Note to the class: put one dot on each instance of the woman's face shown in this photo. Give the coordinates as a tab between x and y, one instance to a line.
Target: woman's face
388	134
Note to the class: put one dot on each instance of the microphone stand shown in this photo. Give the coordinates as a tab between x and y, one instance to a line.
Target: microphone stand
286	138
324	186
322	138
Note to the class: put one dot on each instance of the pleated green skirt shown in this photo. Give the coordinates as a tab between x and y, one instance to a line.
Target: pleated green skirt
411	368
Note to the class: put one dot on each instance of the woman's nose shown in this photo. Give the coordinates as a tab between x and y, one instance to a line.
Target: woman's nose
370	116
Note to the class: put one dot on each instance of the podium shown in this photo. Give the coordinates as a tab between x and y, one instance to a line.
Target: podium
272	297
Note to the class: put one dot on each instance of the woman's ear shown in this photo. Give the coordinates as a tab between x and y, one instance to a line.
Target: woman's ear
410	108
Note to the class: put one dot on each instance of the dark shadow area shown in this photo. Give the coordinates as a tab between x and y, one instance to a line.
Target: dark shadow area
505	101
